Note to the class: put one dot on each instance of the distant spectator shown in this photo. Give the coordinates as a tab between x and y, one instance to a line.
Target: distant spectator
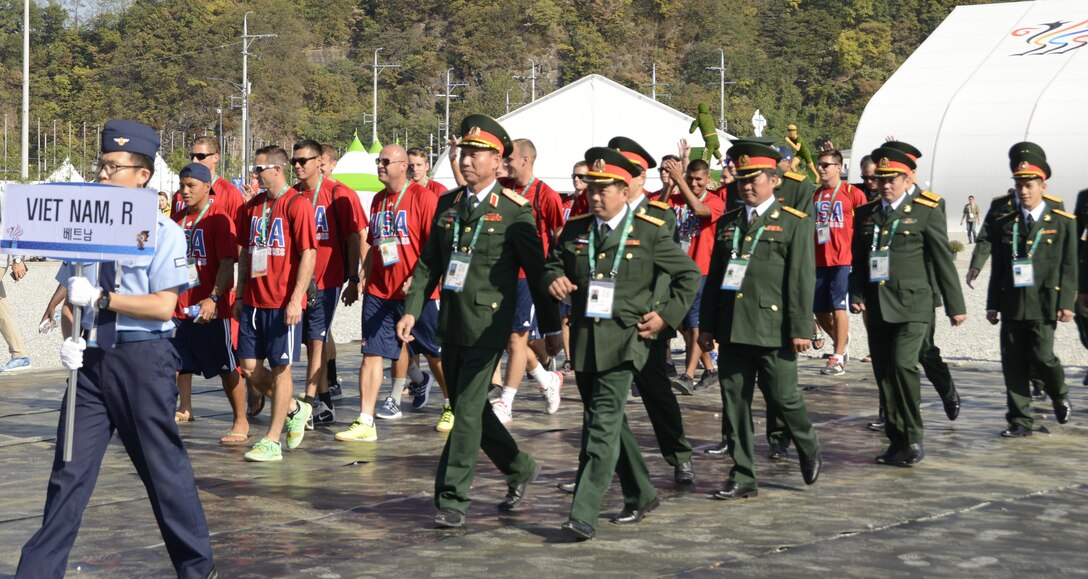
19	359
164	203
971	215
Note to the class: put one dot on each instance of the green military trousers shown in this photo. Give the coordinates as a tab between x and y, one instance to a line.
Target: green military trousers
1027	351
894	350
661	405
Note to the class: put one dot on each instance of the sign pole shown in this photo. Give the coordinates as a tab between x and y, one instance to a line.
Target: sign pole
73	381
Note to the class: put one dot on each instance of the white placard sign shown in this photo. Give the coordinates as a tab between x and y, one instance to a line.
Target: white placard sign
79	222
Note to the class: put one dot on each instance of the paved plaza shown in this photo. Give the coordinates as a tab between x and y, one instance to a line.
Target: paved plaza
978	506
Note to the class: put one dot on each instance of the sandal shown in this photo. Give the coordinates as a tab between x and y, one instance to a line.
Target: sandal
817	341
254	409
180	417
233	438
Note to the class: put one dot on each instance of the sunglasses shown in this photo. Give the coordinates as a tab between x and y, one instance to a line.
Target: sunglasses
868	177
303	160
200	156
386	162
578	177
262	168
826	165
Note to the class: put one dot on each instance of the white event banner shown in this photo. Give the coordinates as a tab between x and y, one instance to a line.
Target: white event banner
79	222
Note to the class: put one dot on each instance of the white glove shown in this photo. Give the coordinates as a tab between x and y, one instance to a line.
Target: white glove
71	353
81	292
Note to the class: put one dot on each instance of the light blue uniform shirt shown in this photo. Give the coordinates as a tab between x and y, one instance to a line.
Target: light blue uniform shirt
167	269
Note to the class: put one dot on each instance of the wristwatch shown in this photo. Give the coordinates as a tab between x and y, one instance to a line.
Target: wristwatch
214	298
16	260
103	302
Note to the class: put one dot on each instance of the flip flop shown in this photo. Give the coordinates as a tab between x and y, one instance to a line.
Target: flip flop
233	438
818	341
252	410
181	417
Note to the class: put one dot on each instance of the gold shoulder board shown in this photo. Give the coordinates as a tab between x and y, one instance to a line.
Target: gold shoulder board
651	219
460	193
577	217
926	202
1006	215
661	205
794	176
1052	198
931	196
794	212
1064	214
513	196
734	210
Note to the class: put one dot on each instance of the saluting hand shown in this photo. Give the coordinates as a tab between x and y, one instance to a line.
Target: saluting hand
650	325
1065	316
561	288
404	328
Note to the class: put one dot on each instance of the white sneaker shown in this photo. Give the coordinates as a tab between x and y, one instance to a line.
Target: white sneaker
835	366
502	411
551	392
390	410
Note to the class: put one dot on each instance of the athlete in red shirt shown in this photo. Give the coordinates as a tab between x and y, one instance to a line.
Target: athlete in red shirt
203	337
834	204
419	168
276	265
696	216
578	198
205	150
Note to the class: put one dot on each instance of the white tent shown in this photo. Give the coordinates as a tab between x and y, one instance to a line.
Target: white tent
164	179
66	173
988	77
357	170
588	113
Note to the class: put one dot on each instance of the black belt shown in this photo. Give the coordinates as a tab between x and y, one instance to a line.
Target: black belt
132	336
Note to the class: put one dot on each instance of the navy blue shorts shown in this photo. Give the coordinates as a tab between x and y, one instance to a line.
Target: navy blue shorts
317	321
691	321
262	335
832	289
525	311
565	310
425	332
205	349
380	318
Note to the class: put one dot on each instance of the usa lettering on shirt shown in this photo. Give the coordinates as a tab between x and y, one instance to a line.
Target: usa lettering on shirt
275	242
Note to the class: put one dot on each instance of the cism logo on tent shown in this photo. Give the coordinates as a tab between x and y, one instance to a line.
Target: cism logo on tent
1053	37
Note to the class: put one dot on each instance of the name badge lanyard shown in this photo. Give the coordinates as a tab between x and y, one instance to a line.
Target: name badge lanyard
737	267
387	243
879	259
266	217
601	293
258	265
685	242
457	272
1023	271
823	228
194	277
317	191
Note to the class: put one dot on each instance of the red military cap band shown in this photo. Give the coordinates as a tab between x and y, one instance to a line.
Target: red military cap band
637	159
745	163
886	165
478	137
602	170
1026	169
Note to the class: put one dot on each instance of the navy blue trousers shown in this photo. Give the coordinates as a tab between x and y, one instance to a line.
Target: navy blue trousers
130	389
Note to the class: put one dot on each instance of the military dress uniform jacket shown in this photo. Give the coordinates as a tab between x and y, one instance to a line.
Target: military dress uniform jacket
1081	213
649	252
774	304
921	235
664	212
1054	261
483	312
930	273
1000	205
794	190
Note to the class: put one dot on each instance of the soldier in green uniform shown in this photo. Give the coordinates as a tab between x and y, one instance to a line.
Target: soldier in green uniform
482	234
934	366
761	315
894	237
1080	310
1032	288
607	261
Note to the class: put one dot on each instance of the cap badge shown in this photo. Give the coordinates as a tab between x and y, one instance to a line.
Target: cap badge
473	132
1024	165
744	161
599	165
121	141
883	163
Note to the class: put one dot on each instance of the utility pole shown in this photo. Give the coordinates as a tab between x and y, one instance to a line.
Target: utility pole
532	80
247	38
374	108
54	143
222	157
24	162
450	85
508	103
654	84
84	156
722	123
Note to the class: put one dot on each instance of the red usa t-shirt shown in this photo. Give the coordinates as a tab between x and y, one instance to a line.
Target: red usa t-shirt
228	198
698	232
835	206
547	210
210	239
579	205
337	214
287	230
435	187
410	224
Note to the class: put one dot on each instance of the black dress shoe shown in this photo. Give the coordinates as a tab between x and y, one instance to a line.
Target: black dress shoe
721	449
914	454
877	426
1016	431
684	474
810	465
578	529
516	493
449	519
892	456
632	516
952	405
1062	408
1037	392
779	452
1084	382
567	487
733	490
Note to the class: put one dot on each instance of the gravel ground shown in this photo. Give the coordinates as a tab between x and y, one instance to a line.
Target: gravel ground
976	341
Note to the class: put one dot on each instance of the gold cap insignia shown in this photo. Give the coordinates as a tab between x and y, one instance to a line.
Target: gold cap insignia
120	141
599	165
1024	165
883	163
473	132
744	160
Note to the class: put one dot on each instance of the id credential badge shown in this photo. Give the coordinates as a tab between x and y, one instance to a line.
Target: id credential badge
823	233
457	271
734	274
194	275
879	266
388	248
599	299
258	265
1023	273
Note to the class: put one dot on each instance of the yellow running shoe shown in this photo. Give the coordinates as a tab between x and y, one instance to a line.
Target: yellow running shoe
445	424
296	425
266	450
358	432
